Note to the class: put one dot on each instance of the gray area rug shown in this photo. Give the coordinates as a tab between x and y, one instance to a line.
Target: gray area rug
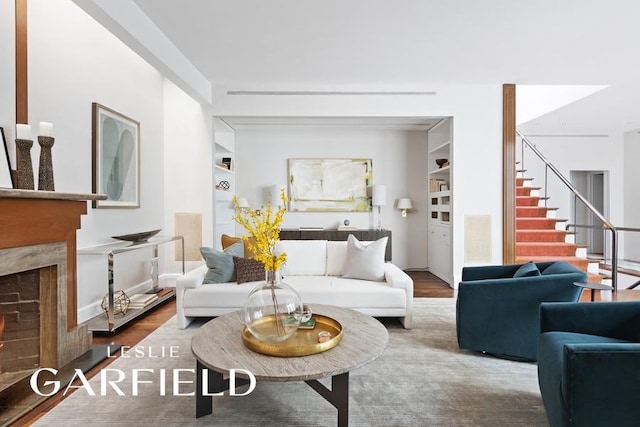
422	379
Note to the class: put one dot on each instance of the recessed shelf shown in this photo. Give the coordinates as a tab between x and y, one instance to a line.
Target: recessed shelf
442	146
440	170
221	169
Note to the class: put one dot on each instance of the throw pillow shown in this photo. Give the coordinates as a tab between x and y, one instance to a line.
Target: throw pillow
365	262
558	268
526	270
220	264
227	241
248	270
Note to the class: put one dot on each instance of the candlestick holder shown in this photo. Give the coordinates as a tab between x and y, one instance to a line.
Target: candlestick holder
24	167
45	169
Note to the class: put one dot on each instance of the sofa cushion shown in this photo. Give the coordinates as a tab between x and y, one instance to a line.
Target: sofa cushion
227	241
559	267
336	256
220	264
248	270
365	262
304	257
526	270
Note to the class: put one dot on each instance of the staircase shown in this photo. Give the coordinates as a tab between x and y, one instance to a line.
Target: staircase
540	236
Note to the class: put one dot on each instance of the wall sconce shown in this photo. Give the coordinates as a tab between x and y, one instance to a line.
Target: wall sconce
379	199
404	205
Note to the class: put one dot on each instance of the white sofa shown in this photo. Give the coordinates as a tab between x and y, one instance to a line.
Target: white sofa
314	269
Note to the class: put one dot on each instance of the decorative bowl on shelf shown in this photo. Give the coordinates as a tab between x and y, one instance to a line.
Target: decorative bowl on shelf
138	237
441	162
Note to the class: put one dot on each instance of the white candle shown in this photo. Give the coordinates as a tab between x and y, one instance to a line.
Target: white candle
23	132
46	129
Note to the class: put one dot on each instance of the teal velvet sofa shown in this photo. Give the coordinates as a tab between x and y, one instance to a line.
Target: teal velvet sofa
498	313
589	363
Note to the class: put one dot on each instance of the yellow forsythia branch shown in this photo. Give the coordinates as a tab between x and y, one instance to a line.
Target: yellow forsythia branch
264	226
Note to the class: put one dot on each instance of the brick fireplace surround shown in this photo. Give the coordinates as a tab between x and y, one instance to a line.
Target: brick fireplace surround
38	295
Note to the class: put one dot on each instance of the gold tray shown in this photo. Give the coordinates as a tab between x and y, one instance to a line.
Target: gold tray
303	343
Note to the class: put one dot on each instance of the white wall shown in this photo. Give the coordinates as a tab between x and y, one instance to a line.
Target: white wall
477	146
187	166
631	199
76	62
8	75
399	160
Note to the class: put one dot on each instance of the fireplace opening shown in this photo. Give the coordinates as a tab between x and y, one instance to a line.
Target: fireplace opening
19	326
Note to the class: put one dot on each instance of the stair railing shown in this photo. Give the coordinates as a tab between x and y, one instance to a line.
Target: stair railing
606	225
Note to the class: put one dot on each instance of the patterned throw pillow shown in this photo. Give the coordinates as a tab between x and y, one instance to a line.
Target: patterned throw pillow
248	270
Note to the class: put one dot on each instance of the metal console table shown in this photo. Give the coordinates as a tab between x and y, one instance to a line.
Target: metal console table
97	324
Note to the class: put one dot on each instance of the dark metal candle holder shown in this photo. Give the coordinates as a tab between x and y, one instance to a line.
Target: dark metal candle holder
45	170
24	168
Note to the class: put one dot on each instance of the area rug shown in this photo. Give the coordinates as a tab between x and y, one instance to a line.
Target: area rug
422	379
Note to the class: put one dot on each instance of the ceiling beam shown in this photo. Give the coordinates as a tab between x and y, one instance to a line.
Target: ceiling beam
134	28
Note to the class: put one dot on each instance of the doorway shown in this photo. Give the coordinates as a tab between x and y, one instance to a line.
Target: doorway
593	185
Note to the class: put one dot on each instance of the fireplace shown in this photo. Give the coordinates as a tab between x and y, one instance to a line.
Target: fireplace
32	283
19	322
38	307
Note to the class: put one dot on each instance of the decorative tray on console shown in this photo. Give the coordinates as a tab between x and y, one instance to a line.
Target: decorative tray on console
138	237
303	343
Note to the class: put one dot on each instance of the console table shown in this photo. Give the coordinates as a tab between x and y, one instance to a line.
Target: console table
98	324
338	235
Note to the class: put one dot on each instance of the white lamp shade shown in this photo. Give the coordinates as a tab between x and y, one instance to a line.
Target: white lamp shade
379	195
243	202
275	194
405	203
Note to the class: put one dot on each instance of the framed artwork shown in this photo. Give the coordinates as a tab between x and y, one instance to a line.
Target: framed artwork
6	178
330	185
116	158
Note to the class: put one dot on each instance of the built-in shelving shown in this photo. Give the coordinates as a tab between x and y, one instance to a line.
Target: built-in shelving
440	200
224	149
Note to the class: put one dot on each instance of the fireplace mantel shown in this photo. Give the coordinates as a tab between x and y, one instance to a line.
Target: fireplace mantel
29	217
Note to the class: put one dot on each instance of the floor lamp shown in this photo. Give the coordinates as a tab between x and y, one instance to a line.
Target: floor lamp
379	199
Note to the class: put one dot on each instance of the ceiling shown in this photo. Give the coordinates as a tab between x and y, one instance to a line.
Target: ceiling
413	45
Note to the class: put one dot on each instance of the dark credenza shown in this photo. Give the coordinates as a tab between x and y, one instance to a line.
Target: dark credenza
339	235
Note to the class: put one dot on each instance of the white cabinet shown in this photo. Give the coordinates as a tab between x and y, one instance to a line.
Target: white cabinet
440	199
440	252
224	179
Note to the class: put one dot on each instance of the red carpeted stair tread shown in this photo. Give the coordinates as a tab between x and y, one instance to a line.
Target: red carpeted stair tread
521	180
541	235
529	200
532	211
537	223
545	249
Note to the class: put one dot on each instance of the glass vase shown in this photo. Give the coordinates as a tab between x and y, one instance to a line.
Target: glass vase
272	311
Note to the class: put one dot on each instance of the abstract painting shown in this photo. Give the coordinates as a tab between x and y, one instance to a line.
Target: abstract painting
116	158
330	185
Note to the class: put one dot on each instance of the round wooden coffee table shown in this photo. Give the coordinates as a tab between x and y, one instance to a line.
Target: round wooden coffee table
218	349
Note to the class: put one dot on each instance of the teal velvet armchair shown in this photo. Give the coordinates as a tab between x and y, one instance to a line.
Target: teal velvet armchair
589	363
498	313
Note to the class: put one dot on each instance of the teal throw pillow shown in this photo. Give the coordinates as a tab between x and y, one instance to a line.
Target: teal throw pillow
220	264
559	267
526	270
